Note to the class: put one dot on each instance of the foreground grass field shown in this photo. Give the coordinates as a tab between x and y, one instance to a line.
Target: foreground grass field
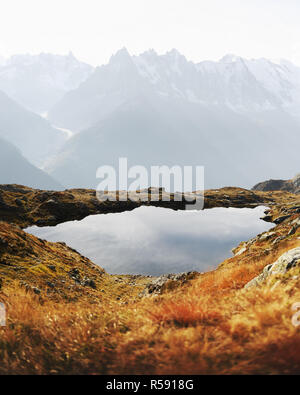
208	325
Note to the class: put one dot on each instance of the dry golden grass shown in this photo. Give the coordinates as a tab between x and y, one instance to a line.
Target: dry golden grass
212	326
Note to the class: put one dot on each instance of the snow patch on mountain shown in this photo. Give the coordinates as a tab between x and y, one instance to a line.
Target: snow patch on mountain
241	85
38	81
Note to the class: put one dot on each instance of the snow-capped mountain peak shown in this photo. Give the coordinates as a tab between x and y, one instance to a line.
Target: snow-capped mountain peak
120	56
231	58
39	81
234	83
238	83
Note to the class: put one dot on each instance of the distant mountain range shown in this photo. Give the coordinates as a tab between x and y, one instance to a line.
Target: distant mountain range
15	169
239	118
235	83
30	85
37	82
33	135
292	185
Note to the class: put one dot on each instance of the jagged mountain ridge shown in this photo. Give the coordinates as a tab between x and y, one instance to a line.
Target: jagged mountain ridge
37	82
165	110
234	117
239	84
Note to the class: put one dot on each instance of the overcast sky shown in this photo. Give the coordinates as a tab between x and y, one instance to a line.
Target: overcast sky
200	29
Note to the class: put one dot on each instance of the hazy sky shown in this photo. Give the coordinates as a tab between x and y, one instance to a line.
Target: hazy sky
200	29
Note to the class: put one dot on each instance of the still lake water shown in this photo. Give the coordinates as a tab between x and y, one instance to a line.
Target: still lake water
155	241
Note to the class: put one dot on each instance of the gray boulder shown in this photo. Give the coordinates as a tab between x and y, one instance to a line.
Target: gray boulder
288	260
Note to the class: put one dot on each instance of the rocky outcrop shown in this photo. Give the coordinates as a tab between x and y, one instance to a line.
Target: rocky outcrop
296	182
44	265
292	186
287	261
168	282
